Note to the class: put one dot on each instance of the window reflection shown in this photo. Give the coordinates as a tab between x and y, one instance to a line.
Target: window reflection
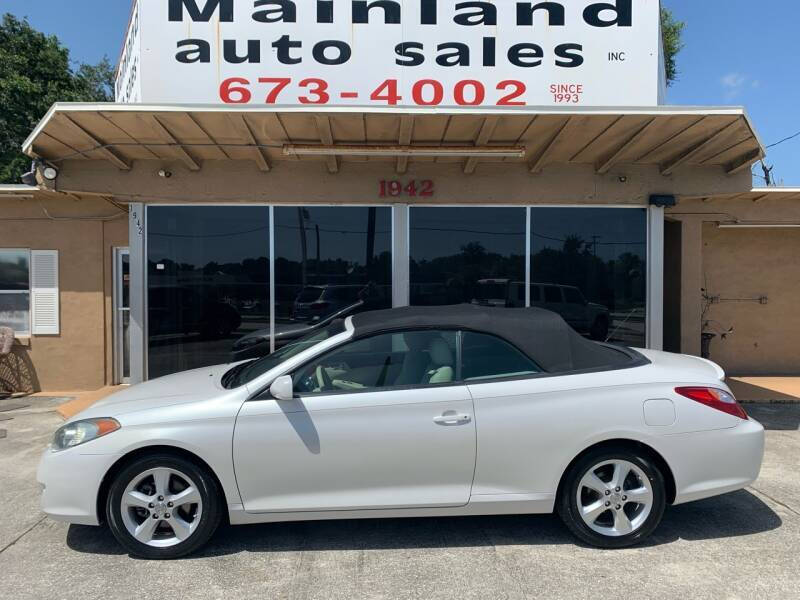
208	278
590	266
473	255
331	261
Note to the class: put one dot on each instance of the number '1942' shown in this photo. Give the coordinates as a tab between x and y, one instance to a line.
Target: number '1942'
413	189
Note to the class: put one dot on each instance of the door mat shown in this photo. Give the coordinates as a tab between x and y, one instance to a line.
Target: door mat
3	434
10	407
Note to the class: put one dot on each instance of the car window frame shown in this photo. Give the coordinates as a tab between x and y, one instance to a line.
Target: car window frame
299	362
581	299
457	382
497	378
558	289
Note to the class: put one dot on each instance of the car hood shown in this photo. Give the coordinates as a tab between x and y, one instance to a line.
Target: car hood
597	306
181	388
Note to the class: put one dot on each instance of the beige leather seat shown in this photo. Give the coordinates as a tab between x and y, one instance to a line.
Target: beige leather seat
440	369
415	362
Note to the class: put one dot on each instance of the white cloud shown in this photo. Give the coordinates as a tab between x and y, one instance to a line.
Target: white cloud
734	80
734	83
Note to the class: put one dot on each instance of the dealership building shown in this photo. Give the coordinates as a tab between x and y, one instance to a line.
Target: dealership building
267	167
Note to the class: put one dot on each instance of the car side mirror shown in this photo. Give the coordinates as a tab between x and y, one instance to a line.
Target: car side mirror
282	388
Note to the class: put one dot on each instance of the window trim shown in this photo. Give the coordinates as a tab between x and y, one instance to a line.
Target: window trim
637	360
510	376
27	333
418	386
457	382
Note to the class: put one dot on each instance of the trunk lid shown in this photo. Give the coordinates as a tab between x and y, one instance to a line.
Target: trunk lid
683	367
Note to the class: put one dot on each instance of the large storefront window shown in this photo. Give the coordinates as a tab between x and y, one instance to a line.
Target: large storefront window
208	279
472	255
209	273
330	261
590	266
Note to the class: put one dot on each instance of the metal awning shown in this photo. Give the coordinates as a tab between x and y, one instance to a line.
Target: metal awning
669	137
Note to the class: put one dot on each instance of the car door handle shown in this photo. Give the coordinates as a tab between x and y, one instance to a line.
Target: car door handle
452	419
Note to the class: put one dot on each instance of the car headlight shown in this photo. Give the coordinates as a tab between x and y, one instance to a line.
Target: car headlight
80	432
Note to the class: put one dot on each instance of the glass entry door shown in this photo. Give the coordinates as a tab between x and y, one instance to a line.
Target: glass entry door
122	316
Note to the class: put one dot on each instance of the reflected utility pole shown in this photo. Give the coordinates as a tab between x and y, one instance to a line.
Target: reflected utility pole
371	236
303	246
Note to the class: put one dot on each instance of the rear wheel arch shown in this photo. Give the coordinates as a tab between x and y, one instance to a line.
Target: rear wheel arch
632	446
139	453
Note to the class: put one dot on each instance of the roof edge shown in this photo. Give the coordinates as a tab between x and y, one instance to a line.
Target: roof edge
18	190
112	107
775	190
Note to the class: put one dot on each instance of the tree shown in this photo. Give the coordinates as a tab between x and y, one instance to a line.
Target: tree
35	72
672	32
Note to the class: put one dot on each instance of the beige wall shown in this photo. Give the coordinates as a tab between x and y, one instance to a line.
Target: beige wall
79	358
309	182
736	264
749	263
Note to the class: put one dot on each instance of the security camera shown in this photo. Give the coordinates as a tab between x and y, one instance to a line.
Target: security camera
165	174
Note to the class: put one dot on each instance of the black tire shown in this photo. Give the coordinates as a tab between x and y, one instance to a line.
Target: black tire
599	330
210	517
567	502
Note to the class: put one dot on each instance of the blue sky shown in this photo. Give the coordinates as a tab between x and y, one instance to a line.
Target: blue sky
738	52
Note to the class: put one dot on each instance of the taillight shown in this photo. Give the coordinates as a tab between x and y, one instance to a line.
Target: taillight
715	398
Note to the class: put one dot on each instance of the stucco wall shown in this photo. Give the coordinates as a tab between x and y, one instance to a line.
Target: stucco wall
749	263
79	358
308	182
742	263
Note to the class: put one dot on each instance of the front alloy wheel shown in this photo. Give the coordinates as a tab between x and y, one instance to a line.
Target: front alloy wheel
163	507
613	499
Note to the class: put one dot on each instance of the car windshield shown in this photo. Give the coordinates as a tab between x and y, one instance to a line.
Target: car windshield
310	294
244	373
491	291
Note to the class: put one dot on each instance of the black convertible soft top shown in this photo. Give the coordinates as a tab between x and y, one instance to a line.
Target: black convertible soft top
541	334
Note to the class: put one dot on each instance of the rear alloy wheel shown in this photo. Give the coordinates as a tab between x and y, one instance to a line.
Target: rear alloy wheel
162	507
613	499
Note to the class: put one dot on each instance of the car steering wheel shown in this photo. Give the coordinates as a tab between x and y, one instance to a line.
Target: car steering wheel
323	379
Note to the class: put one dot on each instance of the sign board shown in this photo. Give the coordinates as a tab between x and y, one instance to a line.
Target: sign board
446	53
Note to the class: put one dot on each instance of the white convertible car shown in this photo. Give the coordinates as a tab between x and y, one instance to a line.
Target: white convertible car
409	412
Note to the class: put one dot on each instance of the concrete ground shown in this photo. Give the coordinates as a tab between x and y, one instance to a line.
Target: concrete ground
743	545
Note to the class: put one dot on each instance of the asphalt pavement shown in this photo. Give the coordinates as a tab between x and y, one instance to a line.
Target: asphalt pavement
742	545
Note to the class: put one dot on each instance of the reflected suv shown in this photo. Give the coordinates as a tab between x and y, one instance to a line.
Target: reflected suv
568	301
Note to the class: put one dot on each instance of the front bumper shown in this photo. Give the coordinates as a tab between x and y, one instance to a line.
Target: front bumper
70	483
711	463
